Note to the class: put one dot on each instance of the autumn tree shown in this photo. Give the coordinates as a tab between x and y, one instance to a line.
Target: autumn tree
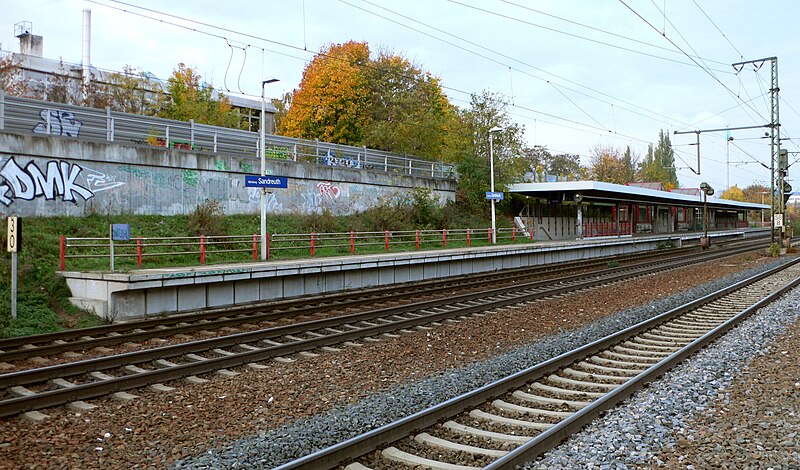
11	79
733	194
331	101
385	103
607	164
188	99
545	165
133	91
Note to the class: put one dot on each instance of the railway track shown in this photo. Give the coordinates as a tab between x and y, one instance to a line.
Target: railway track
513	420
76	381
266	314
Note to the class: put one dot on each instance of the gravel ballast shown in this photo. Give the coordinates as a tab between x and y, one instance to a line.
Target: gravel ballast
654	427
276	446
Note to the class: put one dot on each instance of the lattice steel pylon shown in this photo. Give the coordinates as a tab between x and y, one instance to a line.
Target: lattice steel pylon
775	135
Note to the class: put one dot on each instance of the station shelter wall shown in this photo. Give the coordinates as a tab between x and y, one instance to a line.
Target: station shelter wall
558	221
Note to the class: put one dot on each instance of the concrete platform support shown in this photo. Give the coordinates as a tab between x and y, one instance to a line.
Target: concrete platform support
142	293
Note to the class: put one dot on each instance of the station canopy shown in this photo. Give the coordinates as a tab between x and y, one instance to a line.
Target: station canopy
597	191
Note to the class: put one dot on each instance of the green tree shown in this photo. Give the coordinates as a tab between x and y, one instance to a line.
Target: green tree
188	99
664	155
630	162
282	106
407	111
659	163
488	111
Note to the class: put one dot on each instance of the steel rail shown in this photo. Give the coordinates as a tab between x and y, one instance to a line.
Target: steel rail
475	302
323	298
363	444
87	338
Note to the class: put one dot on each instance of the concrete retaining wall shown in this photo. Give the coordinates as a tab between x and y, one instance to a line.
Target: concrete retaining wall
47	176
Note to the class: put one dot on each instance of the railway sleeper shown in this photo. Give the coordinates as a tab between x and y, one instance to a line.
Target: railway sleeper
514	408
641	351
619	364
558	391
646	360
588	375
432	441
661	341
540	400
455	427
518	423
637	343
624	373
581	383
393	454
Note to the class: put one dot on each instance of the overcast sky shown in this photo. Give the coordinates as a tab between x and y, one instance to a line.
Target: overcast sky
576	73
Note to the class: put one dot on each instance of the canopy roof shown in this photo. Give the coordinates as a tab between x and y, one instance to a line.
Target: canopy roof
600	191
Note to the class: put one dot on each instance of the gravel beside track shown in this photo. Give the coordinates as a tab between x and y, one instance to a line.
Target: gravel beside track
753	425
269	449
264	418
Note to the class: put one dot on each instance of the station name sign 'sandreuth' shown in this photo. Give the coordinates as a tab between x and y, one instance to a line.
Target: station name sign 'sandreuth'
253	181
496	195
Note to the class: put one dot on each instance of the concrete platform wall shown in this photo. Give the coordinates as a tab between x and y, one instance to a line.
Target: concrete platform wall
165	291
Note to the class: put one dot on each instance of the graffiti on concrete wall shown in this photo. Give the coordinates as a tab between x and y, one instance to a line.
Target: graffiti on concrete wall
62	123
329	190
330	159
58	179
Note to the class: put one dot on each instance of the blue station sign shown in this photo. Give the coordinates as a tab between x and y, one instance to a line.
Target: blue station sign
254	181
496	195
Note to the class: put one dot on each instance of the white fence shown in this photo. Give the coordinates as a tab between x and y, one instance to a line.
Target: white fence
24	115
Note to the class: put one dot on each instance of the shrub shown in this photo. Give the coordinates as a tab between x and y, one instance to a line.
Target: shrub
321	222
613	264
208	219
774	250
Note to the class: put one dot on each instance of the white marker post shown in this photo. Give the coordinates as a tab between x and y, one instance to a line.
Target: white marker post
13	246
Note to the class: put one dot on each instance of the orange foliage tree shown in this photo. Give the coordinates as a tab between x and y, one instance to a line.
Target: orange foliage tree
386	103
331	102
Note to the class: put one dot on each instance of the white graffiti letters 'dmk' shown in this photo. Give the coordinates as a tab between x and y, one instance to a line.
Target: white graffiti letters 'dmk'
58	179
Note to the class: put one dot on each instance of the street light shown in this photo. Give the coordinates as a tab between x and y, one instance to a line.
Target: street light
491	181
707	191
262	150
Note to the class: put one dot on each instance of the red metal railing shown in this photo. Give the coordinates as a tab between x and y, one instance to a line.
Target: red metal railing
606	229
290	245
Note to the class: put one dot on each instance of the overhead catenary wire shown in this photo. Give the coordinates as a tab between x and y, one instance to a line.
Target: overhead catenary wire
298	48
709	72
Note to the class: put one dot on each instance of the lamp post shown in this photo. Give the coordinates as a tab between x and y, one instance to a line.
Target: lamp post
262	151
762	210
707	191
491	181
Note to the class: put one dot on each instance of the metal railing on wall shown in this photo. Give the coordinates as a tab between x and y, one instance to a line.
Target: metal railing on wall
98	252
23	115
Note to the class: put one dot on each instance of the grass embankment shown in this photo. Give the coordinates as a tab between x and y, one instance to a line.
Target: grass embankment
43	296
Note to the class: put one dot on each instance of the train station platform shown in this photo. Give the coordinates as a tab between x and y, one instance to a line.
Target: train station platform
163	291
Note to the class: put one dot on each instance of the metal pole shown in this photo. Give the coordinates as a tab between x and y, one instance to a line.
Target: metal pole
705	219
491	186
262	153
14	285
